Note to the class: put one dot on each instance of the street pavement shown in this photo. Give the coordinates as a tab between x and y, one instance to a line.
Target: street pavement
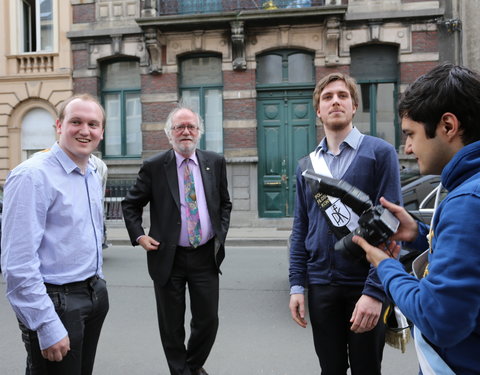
256	335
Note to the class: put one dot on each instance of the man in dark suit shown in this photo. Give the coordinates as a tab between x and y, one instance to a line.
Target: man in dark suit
190	215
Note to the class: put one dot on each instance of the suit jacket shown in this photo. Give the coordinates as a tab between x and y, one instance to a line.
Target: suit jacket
157	184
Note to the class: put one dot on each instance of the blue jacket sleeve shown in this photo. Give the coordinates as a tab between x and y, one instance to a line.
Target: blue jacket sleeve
298	253
444	305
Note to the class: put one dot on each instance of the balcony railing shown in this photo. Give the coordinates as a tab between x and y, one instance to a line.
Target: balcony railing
39	63
171	7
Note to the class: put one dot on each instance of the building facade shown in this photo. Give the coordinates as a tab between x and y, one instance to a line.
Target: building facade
35	76
249	67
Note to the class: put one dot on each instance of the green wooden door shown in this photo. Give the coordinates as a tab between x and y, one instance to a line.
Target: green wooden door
286	132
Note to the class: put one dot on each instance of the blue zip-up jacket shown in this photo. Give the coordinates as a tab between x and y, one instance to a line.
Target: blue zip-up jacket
375	171
445	305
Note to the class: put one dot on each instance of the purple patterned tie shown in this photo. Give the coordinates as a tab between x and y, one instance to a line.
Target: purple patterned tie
193	220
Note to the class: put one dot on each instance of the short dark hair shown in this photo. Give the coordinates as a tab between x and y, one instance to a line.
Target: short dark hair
332	77
446	88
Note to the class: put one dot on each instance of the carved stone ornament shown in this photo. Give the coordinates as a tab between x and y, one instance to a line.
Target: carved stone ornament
238	46
154	49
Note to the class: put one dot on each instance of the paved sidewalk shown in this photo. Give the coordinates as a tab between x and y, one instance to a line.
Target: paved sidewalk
249	236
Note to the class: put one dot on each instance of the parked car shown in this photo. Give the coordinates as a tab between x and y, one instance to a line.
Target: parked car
417	189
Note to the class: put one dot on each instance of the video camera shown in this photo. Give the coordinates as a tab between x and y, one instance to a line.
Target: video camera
376	224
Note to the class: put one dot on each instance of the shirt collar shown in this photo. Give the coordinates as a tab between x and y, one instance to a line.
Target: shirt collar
67	164
353	140
181	158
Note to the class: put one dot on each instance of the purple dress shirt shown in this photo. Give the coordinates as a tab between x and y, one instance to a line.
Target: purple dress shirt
205	223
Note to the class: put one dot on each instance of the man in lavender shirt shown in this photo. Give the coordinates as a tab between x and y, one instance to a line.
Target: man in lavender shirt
174	259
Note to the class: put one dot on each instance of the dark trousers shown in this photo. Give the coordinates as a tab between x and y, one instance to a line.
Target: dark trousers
82	308
331	308
195	268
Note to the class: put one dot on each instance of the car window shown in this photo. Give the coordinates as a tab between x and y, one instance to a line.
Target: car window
429	201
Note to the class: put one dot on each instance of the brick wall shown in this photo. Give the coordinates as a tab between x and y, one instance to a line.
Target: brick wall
240	138
412	70
322	71
161	83
425	41
80	59
156	112
155	140
88	85
239	80
83	13
239	109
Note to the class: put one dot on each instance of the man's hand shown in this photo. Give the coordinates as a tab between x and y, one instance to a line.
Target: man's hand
56	352
366	314
297	309
374	254
148	243
408	228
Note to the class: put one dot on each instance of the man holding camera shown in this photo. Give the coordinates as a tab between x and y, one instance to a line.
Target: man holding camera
345	296
440	113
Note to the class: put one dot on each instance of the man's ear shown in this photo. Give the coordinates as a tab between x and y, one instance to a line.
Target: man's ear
449	126
58	126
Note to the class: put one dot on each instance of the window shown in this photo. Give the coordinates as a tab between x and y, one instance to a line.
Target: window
200	6
36	20
201	88
285	67
375	67
38	131
378	119
121	98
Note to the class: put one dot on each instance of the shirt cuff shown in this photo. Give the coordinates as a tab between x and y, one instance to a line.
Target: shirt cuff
297	289
51	333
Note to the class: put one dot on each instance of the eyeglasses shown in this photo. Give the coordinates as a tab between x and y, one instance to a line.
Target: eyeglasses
181	128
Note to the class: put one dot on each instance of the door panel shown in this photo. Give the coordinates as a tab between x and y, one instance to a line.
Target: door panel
270	142
286	132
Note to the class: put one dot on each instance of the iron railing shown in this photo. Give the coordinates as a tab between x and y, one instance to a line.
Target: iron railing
114	193
170	7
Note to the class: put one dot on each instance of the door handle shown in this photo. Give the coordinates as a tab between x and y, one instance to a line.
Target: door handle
273	183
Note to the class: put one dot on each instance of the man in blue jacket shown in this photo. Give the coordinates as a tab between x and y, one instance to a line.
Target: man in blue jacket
345	296
440	115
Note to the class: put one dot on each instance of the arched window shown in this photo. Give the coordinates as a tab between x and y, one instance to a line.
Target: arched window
285	67
121	98
38	131
201	87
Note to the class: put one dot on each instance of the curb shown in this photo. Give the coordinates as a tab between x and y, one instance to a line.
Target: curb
264	242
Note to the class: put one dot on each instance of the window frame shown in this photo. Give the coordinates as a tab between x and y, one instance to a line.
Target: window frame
32	43
284	54
122	93
202	88
373	108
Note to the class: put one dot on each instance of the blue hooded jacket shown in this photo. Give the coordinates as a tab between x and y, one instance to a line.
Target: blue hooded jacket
445	305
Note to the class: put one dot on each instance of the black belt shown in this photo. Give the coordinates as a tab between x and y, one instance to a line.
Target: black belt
198	247
72	286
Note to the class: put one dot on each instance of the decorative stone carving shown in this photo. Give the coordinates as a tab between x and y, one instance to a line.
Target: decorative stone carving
333	36
116	44
149	8
154	48
374	31
239	62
